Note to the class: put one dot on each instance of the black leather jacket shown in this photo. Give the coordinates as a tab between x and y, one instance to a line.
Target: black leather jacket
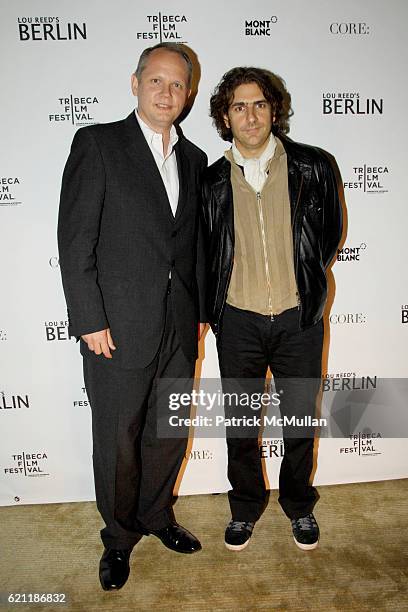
316	224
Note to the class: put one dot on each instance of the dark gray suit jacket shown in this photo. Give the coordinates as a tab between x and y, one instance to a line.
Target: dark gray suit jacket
118	240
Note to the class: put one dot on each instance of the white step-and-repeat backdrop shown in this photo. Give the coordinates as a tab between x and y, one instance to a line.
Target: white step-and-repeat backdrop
66	65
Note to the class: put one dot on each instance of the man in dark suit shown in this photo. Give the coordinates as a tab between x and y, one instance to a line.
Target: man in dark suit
130	255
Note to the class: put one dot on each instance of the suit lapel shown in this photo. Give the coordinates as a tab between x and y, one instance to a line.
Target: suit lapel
142	156
182	169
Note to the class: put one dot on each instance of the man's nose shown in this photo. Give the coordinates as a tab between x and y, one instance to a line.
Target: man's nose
251	115
166	88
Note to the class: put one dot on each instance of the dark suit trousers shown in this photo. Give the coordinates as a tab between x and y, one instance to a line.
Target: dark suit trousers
248	343
134	470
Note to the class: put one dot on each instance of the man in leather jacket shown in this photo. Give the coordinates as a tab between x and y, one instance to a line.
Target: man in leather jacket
273	221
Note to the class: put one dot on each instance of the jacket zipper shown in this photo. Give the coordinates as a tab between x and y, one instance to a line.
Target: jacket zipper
268	279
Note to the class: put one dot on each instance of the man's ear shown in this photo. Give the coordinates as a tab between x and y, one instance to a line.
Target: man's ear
226	121
134	84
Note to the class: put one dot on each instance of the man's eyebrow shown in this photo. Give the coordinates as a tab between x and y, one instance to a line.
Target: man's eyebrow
243	103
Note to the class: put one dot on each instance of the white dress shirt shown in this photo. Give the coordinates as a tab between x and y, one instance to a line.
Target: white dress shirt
255	168
167	165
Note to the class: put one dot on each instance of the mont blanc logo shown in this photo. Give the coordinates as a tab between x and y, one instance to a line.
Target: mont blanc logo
369	178
78	110
350	103
27	463
83	401
349	28
270	448
163	27
47	28
363	444
404	313
351	253
56	331
13	401
9	188
259	27
348	318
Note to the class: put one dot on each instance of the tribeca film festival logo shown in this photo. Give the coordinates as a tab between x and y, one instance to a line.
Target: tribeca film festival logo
404	313
83	402
368	179
351	28
348	318
351	103
9	191
3	335
351	253
259	27
13	402
362	443
49	28
76	110
28	464
56	330
163	28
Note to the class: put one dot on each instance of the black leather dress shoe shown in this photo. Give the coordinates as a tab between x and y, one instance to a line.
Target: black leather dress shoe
114	568
177	538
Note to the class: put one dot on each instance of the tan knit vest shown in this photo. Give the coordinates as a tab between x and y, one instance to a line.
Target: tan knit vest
263	275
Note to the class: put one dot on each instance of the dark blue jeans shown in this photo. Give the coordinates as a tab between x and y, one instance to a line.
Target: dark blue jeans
247	345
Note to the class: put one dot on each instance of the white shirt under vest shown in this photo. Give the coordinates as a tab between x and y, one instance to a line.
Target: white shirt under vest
255	168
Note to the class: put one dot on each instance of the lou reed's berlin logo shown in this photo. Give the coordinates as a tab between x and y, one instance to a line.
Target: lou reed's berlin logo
50	29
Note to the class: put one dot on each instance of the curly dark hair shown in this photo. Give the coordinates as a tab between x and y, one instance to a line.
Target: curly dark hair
272	87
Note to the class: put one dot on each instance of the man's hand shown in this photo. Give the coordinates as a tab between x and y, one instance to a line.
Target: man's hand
100	342
201	328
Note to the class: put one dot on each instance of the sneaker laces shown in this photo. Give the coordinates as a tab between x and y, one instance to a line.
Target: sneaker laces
239	525
306	523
